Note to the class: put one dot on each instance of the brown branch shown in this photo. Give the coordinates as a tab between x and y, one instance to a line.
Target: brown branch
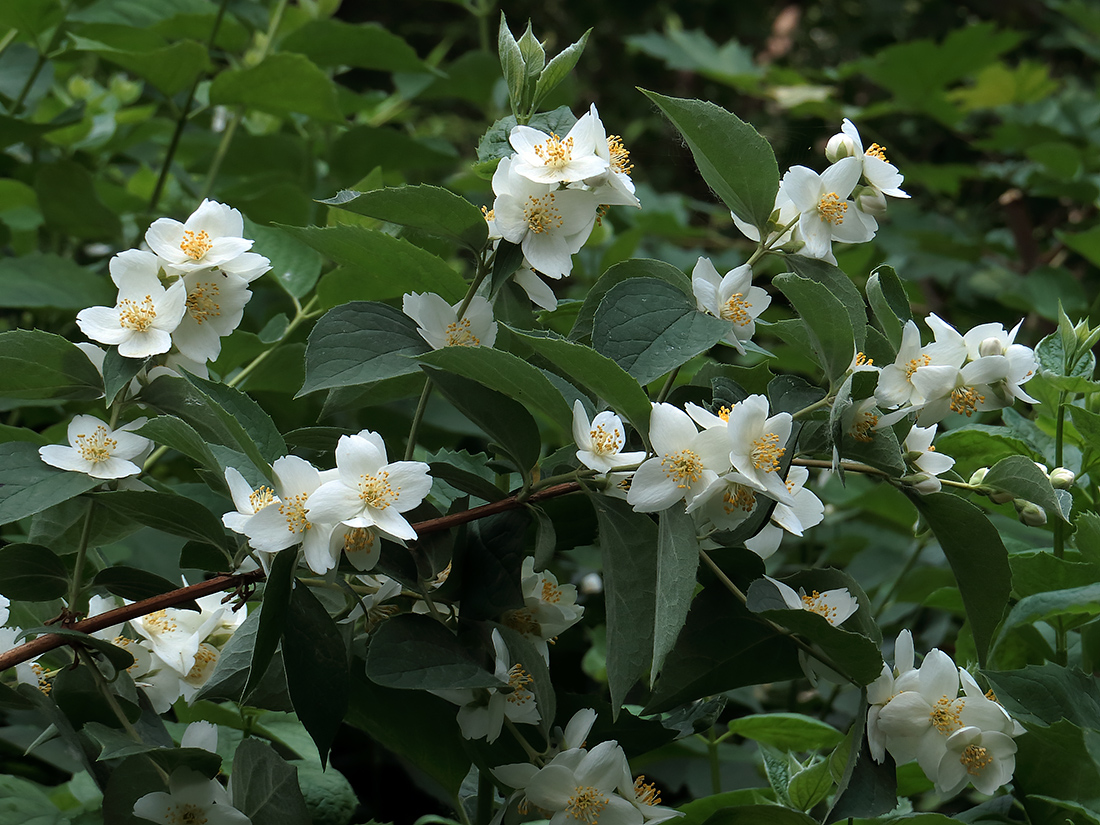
50	641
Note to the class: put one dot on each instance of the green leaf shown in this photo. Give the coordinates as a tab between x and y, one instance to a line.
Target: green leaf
735	161
239	410
1087	537
599	375
1054	360
486	568
180	436
826	319
512	66
978	559
787	731
1087	424
234	665
377	266
810	785
1075	601
317	671
1019	475
628	547
365	46
1038	571
622	271
973	446
36	364
173	514
494	143
508	374
649	327
415	652
558	69
428	208
119	657
359	343
49	281
759	815
505	421
506	260
28	485
283	83
1044	694
277	593
30	573
295	266
70	203
135	585
889	303
865	788
839	285
118	372
677	561
265	788
170	68
1059	762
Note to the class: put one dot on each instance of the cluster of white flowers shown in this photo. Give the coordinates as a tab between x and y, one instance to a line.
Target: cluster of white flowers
343	510
549	194
919	713
578	786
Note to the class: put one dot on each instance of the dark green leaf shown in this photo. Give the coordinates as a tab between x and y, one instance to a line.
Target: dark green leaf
507	259
888	301
494	144
1060	762
977	557
281	84
1043	694
277	594
827	321
677	561
118	372
1075	601
265	788
28	485
759	815
134	777
36	364
171	68
42	280
415	652
294	265
359	343
134	584
180	436
840	286
1019	475
365	46
787	731
70	203
79	697
866	788
234	406
173	514
735	161
1087	536
30	573
486	568
622	271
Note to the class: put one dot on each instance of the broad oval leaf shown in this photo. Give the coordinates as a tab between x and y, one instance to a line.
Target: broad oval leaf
827	321
31	573
28	485
36	364
1019	475
415	652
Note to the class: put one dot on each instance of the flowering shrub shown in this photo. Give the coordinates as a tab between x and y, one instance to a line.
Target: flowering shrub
635	465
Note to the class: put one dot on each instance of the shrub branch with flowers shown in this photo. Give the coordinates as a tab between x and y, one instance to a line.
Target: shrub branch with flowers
418	594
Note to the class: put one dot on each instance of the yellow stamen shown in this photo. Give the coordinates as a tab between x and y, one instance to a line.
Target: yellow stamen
186	814
915	364
585	804
863	429
646	792
604	441
522	621
541	214
738	497
137	316
863	361
160	622
294	510
685	467
766	452
259	498
736	309
96	448
815	603
554	152
519	679
832	208
876	151
459	334
945	715
976	758
202	301
965	400
376	492
620	157
195	246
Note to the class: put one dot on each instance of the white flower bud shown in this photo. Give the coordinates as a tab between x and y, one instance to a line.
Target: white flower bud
840	146
1000	496
1062	478
1030	513
870	201
979	476
991	346
923	483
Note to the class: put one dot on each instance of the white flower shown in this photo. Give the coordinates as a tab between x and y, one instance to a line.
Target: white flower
369	490
731	298
646	798
549	608
284	516
891	682
482	712
860	420
145	315
686	462
191	798
600	443
822	202
537	289
203	735
210	237
613	186
758	442
963	391
26	673
247	501
438	322
835	606
97	450
805	511
175	635
4	610
726	504
544	158
550	224
215	305
584	792
881	175
896	386
783	214
922	455
982	757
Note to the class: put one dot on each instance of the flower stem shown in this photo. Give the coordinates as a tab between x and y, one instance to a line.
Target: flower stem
418	416
763	249
667	388
532	754
715	764
76	586
484	799
824	401
301	314
1060	642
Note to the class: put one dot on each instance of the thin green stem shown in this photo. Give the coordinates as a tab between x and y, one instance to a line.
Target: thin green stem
76	586
667	388
1061	645
39	62
847	466
219	154
532	754
7	40
824	401
418	416
899	578
763	249
484	799
301	315
715	764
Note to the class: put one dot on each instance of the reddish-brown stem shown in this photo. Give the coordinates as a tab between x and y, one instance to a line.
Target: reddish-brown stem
49	641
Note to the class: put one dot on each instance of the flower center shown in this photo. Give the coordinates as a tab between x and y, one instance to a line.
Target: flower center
519	679
551	593
863	361
766	452
195	246
876	151
915	364
259	498
97	447
186	814
459	334
205	659
816	603
620	157
604	441
738	497
490	214
202	301
376	492
976	758
541	214
965	400
862	428
685	467
646	792
137	316
294	510
523	621
945	715
832	208
358	540
585	804
736	309
554	152
160	622
724	413
43	678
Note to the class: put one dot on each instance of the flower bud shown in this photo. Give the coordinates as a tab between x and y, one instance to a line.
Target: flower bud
1062	478
870	201
923	483
979	476
840	146
991	346
1030	513
1000	496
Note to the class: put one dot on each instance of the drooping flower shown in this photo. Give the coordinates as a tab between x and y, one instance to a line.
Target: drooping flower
600	443
546	158
835	606
212	236
97	450
369	490
823	206
215	305
922	455
175	635
891	682
191	798
730	297
881	175
438	322
145	315
758	443
805	511
613	186
896	387
549	608
984	758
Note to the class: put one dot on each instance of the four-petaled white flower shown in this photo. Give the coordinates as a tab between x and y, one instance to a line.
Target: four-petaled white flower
549	608
805	511
438	322
986	758
881	175
896	385
369	491
191	798
145	314
822	202
544	158
215	306
757	445
210	237
922	455
600	443
97	450
731	298
835	606
583	791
